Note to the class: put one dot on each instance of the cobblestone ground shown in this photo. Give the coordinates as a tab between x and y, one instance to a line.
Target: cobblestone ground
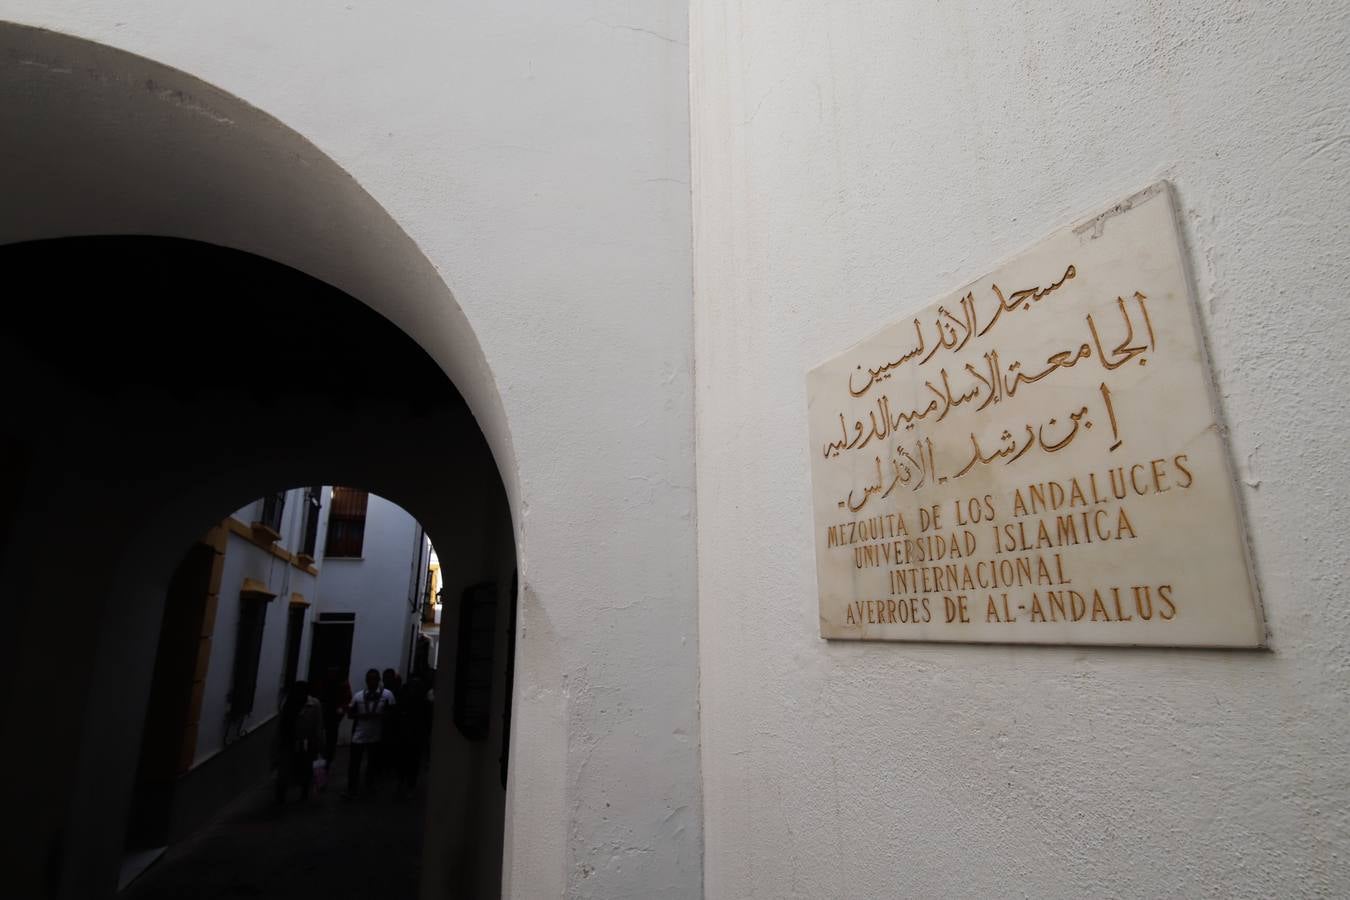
328	848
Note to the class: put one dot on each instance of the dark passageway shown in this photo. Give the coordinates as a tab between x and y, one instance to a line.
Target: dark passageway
153	385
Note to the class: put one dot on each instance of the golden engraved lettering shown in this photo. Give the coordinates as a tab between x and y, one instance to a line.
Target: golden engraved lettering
1099	607
884	370
1024	298
1159	476
1037	614
1062	393
1121	615
1165	596
998	384
1123	525
1055	600
1177	461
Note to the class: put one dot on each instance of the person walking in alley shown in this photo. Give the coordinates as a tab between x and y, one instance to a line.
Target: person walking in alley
367	712
335	695
392	738
300	736
415	723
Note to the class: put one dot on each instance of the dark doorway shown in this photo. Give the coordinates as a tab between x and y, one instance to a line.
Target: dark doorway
333	636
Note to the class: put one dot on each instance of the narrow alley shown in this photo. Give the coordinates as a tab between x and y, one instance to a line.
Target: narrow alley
327	846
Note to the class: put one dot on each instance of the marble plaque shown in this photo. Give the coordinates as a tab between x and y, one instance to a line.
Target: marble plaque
1035	457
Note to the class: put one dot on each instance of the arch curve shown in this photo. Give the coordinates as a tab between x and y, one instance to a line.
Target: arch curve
102	141
596	458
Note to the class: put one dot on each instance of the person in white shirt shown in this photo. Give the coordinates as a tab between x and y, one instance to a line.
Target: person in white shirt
367	712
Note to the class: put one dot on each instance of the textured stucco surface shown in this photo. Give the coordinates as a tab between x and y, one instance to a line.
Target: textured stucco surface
851	161
537	154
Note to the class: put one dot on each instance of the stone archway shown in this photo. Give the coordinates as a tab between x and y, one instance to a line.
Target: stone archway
586	321
142	422
102	142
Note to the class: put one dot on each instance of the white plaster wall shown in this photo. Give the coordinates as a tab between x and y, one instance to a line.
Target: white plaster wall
301	582
375	587
244	559
851	161
536	151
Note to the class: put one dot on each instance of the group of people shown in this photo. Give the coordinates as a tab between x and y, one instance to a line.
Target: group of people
391	725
